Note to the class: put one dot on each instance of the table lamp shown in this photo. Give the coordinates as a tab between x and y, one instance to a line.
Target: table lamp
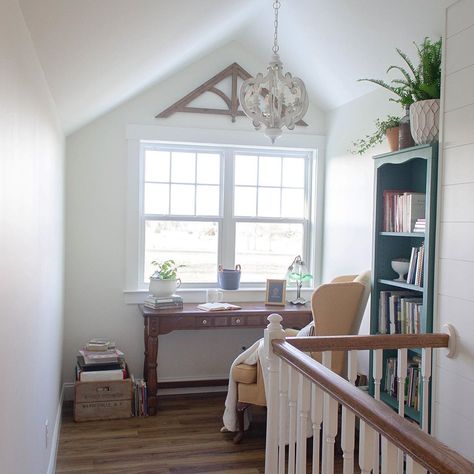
298	273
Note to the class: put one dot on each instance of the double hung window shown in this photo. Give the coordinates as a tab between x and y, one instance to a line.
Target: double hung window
207	205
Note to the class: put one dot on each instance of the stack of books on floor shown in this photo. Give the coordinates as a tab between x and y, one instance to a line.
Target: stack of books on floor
100	360
140	399
168	302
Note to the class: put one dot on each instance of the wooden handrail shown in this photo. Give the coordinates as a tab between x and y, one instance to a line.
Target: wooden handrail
388	341
423	448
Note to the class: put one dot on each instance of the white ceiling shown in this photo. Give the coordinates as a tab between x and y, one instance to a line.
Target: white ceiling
98	53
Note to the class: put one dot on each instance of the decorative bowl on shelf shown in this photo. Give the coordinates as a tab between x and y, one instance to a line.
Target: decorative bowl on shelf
400	266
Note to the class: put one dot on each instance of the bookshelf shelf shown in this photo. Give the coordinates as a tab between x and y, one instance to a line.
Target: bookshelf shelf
415	235
409	171
399	284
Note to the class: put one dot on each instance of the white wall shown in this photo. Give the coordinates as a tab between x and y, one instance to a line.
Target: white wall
348	206
454	388
31	252
96	174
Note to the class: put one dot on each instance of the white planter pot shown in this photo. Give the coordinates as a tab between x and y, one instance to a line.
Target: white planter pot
163	288
424	121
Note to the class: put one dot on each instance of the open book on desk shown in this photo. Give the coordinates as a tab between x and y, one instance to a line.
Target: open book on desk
217	306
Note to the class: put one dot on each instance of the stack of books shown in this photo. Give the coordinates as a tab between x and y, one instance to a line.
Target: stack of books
412	381
100	360
140	400
420	226
416	266
169	302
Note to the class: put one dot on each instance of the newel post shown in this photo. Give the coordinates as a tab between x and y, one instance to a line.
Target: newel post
273	331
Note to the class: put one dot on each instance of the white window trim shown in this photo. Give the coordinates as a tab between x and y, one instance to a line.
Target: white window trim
238	139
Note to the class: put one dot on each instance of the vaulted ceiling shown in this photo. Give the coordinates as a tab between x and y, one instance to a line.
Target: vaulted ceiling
98	53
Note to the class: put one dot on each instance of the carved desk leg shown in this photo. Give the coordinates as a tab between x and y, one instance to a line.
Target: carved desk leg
151	354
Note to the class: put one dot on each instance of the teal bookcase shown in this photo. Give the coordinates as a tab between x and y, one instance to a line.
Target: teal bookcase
414	170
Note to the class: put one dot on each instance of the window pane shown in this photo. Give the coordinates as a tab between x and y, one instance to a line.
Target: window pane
182	199
269	202
193	244
246	169
208	168
157	165
245	201
269	171
293	172
266	250
183	167
292	203
156	199
207	200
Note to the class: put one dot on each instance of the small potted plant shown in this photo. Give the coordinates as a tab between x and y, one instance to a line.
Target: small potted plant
387	128
164	281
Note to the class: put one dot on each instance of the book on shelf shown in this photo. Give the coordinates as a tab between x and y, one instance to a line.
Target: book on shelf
218	306
402	209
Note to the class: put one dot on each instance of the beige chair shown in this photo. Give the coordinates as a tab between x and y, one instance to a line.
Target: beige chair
338	308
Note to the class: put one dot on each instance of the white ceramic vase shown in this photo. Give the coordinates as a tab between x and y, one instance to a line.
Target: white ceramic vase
163	288
424	121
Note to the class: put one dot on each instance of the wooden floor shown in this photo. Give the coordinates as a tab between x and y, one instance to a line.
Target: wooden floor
183	438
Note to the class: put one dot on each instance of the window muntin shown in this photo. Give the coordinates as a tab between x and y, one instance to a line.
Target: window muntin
233	196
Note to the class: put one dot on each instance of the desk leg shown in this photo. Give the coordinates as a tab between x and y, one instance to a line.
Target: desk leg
150	365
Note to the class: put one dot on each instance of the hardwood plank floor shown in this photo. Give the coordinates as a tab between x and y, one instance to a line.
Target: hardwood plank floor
184	438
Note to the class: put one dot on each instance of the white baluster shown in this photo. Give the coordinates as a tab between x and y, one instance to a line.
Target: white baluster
316	419
377	376
330	407
425	375
283	426
366	447
273	331
413	467
293	394
389	457
348	419
401	375
304	391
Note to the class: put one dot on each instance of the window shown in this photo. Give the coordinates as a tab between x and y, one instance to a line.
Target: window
210	205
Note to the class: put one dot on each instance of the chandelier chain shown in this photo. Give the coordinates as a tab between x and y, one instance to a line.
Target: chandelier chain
276	6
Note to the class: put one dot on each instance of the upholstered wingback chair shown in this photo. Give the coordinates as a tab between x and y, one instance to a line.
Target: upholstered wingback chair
338	308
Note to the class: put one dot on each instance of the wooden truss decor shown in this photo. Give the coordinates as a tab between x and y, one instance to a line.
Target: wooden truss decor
235	71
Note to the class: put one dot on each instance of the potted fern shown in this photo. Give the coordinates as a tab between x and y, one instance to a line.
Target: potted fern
164	281
419	89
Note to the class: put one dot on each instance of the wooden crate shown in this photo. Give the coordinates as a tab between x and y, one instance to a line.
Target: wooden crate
103	400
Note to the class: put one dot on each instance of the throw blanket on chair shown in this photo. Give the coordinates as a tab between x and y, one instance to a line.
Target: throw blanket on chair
249	356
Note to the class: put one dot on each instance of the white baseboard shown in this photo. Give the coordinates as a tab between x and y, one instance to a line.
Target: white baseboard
185	390
55	437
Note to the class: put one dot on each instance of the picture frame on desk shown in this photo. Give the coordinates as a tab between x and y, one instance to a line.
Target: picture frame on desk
275	293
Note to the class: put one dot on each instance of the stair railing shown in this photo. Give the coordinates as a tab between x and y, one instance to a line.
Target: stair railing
303	398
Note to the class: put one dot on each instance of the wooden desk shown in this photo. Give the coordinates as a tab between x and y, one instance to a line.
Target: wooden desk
252	315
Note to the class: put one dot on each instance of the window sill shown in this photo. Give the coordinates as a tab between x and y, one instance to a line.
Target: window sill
198	295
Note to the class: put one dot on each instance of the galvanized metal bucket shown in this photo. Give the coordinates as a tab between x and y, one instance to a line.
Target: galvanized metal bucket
228	279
